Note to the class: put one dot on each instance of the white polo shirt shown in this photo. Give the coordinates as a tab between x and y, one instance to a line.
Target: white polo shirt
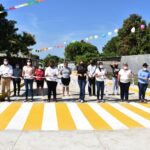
52	74
125	75
101	73
6	70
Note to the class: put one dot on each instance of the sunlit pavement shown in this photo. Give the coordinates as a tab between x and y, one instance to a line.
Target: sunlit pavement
70	125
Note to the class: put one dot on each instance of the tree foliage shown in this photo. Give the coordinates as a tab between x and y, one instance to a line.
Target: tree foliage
10	41
49	57
81	50
128	43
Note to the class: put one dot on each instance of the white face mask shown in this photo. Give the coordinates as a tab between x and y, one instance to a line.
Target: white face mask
101	66
40	67
17	67
125	68
144	69
5	62
28	63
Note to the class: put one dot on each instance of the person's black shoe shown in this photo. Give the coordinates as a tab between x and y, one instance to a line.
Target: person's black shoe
26	100
8	99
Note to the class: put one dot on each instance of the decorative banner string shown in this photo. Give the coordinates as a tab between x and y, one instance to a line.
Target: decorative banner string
58	46
21	5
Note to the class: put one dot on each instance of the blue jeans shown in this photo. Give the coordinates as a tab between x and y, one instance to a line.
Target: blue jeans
142	90
28	83
100	88
115	84
82	84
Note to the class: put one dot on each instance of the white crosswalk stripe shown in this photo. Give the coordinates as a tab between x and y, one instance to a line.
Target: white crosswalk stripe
49	118
3	106
20	117
112	121
141	107
78	117
134	116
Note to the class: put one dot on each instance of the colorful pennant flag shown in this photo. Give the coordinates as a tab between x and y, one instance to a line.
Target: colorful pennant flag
21	5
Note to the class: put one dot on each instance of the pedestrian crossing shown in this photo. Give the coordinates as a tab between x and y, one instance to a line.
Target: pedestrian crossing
40	116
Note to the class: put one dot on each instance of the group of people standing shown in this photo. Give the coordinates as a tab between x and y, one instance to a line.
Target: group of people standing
95	74
30	74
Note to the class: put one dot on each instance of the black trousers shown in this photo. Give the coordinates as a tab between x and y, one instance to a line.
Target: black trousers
142	90
16	83
91	86
124	90
51	89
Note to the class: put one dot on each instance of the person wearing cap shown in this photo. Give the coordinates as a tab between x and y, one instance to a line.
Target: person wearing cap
6	72
115	71
28	75
17	73
91	78
124	77
39	73
143	80
100	75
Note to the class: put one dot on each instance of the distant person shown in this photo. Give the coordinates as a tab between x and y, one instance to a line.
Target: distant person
6	72
100	75
91	78
115	71
51	74
28	75
82	74
124	77
65	72
39	78
143	80
17	74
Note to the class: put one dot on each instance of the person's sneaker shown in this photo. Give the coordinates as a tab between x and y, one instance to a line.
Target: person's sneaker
82	101
98	101
103	101
26	100
78	100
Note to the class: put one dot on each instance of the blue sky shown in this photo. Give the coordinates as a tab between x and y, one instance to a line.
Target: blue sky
56	21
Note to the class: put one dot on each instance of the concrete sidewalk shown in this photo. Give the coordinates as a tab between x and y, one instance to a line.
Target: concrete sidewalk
132	139
137	139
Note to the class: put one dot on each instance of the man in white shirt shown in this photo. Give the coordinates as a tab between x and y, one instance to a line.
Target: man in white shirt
6	72
91	78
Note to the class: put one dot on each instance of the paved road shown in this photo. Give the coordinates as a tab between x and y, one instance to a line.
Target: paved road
69	125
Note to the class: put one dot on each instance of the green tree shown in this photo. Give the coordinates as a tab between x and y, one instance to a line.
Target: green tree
49	57
11	42
81	50
128	43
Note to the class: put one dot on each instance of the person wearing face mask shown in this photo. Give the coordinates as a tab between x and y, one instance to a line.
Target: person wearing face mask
143	80
124	77
17	79
82	73
115	71
6	72
100	75
91	78
39	73
51	74
28	75
65	72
